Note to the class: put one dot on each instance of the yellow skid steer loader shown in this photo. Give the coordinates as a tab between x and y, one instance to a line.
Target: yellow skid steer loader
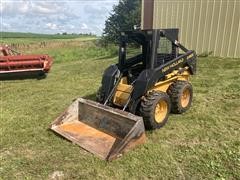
150	80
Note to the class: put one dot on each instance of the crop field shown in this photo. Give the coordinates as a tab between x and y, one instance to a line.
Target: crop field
202	143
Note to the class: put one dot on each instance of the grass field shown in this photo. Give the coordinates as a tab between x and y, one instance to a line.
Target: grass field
203	143
20	35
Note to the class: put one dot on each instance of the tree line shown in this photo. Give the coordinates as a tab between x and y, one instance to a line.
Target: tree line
124	17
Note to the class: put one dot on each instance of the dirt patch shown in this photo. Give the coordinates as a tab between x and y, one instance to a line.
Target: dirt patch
56	175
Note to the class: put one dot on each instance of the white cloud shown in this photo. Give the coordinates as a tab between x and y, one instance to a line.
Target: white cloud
6	25
47	7
31	7
71	26
42	16
84	26
52	26
24	7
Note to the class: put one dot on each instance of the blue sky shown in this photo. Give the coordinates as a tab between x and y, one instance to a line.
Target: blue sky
49	16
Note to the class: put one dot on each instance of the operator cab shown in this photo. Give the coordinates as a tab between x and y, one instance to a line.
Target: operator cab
146	49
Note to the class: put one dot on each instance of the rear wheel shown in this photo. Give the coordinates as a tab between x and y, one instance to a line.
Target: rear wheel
154	109
180	94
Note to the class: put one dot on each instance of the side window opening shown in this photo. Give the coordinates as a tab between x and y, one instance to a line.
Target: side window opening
166	51
133	50
165	46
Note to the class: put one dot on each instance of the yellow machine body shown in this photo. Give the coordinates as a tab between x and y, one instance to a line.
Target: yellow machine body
124	90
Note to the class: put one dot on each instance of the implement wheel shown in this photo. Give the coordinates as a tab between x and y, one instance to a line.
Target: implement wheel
154	109
180	93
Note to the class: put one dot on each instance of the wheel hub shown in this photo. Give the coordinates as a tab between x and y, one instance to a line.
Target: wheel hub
185	98
161	111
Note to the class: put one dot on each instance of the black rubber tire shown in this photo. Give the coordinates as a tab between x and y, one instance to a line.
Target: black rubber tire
100	95
175	92
147	109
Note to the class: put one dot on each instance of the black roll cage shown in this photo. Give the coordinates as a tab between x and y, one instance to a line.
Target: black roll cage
148	39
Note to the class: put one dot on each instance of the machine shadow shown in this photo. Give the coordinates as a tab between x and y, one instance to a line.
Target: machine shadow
22	76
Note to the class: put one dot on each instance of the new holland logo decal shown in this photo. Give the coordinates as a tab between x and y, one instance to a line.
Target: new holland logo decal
172	65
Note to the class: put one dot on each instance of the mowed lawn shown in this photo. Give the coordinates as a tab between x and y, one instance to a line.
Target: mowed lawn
203	143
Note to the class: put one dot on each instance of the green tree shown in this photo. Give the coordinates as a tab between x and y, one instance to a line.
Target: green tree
124	17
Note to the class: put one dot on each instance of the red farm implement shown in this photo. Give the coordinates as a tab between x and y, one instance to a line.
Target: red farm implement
15	64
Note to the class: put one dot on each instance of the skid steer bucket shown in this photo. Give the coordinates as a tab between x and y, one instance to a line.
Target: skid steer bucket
100	129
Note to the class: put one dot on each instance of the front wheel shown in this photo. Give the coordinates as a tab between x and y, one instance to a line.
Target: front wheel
154	109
